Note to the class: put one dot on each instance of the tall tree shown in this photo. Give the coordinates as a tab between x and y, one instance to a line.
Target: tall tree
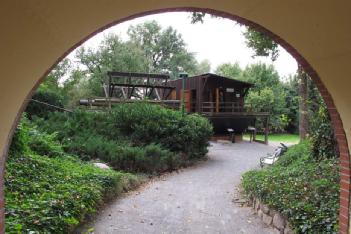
203	67
303	103
165	49
268	94
230	70
291	89
112	55
54	78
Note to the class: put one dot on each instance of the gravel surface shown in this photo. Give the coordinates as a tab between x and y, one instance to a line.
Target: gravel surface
198	199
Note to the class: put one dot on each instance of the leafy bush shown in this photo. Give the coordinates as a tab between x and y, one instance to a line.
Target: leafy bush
52	195
322	136
44	144
305	190
125	136
41	110
19	144
145	124
150	158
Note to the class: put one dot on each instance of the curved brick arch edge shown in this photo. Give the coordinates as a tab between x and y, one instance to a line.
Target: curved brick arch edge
337	124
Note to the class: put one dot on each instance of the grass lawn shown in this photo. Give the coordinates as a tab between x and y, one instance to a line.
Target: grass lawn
284	138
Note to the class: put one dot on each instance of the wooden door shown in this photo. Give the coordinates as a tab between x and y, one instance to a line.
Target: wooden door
187	99
173	95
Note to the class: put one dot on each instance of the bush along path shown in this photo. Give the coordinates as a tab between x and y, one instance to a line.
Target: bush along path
302	187
53	194
50	184
199	199
137	137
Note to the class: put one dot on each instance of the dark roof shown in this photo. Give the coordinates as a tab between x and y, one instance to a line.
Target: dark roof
224	77
215	76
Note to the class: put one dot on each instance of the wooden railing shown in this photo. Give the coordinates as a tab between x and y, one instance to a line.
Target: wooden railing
227	107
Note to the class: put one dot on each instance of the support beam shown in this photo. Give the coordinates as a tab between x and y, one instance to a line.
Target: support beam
217	100
266	130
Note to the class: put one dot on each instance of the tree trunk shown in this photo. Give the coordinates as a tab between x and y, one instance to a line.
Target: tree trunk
303	110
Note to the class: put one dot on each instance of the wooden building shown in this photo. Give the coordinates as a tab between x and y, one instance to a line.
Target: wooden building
221	100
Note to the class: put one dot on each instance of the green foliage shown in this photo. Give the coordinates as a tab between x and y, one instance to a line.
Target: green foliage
197	17
262	75
149	49
279	138
261	44
44	144
151	158
42	110
19	144
124	136
267	95
52	81
203	67
305	190
164	48
77	86
292	102
145	123
112	55
322	136
52	195
230	70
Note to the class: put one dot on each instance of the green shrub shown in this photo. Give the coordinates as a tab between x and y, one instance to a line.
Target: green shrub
322	136
145	124
125	136
52	195
44	144
150	158
41	110
19	143
305	190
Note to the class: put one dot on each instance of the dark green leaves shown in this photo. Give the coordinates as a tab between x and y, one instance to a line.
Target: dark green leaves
303	189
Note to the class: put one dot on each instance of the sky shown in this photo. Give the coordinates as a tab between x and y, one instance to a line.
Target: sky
218	40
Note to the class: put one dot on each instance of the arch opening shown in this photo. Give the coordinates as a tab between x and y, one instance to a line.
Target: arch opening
333	112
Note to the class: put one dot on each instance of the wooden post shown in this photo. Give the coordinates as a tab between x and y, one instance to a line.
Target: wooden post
254	134
217	100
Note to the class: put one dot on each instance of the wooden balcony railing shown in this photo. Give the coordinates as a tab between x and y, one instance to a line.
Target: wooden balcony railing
223	107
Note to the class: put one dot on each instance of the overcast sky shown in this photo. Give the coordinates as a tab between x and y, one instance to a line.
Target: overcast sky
218	40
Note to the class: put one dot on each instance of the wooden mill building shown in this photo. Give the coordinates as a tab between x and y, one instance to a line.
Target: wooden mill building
221	100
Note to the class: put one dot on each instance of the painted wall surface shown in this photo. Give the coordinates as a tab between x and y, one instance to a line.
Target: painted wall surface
35	34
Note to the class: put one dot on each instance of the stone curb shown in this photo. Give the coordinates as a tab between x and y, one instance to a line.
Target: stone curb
271	217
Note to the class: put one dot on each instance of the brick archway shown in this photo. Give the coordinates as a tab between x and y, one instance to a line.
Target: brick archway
334	114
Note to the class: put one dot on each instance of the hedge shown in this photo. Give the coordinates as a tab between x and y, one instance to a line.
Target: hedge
301	188
125	136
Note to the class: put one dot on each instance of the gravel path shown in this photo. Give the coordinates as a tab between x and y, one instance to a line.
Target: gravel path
195	200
